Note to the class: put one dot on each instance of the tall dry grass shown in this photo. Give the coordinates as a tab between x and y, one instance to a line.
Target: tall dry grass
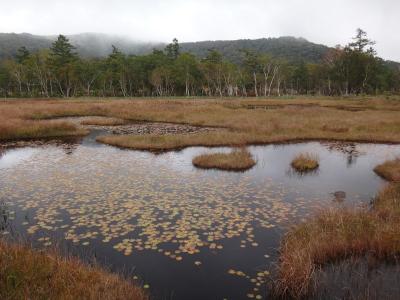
336	235
389	170
18	129
28	274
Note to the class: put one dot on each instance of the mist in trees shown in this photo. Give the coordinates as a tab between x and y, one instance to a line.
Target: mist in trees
60	72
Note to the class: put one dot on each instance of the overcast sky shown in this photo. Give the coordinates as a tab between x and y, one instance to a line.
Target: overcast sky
328	22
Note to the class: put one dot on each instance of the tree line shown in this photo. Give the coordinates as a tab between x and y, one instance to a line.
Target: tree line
60	72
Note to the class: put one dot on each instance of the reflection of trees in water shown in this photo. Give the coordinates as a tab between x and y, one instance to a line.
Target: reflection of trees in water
292	172
69	145
358	278
339	196
2	151
69	148
350	150
5	216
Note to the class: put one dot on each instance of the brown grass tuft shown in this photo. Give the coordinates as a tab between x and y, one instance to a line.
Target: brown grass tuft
389	170
336	235
237	160
305	162
28	274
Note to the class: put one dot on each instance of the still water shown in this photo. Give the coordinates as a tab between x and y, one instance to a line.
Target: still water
187	233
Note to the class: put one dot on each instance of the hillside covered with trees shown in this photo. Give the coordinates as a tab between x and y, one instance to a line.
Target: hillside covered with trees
289	48
197	70
87	45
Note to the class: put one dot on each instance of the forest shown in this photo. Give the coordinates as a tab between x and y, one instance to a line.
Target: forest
353	69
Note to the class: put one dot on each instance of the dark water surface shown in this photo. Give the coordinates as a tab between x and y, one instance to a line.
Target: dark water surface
187	233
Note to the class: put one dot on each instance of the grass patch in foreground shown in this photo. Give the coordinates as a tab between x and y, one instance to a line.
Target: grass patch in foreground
28	274
305	162
237	160
337	235
389	170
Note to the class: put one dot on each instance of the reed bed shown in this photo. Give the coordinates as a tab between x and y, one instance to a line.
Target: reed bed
337	235
30	274
389	170
292	120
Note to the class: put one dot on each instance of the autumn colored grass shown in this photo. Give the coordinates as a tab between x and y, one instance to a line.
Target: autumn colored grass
101	121
389	170
305	162
294	119
29	274
336	235
237	160
16	129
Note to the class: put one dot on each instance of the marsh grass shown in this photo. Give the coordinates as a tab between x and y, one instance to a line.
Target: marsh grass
237	160
101	121
159	143
336	235
305	162
389	170
30	274
15	129
297	119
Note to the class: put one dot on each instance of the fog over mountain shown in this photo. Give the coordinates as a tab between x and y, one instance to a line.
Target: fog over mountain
100	45
320	21
87	44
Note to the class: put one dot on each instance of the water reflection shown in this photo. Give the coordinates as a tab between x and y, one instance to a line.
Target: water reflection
6	217
192	233
350	150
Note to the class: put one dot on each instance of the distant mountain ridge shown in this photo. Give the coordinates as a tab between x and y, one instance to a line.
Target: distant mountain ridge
290	48
87	44
100	45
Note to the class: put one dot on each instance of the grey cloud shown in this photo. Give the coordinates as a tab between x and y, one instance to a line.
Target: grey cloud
320	21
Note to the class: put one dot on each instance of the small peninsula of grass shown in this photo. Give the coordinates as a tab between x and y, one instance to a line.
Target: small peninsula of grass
29	274
27	129
305	162
389	170
101	121
237	160
158	143
337	235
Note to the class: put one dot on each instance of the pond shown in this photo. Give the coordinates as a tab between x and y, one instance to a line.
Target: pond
187	233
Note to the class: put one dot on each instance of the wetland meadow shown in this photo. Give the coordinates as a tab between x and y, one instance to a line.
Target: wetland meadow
200	198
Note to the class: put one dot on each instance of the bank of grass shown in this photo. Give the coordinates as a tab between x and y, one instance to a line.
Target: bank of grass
237	160
159	143
305	162
28	274
337	235
14	129
389	170
375	120
101	121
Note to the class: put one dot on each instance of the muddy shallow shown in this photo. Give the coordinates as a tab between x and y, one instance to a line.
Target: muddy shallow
188	233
